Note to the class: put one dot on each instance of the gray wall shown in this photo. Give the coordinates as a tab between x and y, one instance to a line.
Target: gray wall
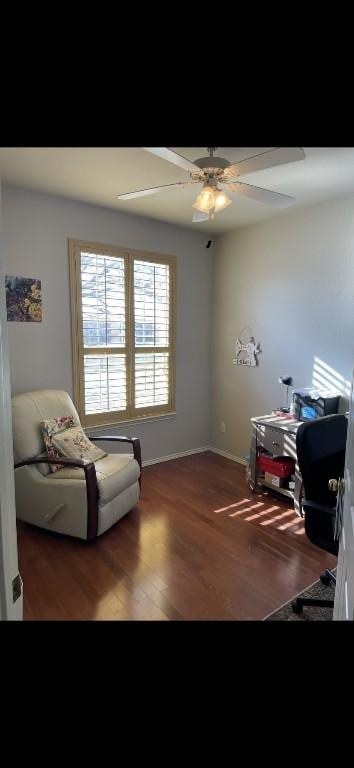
36	230
292	281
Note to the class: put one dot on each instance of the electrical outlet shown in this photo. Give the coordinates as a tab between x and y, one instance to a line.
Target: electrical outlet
222	427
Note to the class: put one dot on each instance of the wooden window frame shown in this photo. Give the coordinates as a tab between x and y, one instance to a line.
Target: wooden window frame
130	349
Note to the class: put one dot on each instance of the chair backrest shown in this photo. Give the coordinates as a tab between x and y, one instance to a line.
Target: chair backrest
28	410
321	448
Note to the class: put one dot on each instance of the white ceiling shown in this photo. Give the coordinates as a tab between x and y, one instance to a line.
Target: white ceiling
98	175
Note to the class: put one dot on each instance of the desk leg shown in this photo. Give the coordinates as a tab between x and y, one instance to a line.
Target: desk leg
253	462
297	491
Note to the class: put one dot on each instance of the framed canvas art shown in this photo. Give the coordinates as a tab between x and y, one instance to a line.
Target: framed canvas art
23	299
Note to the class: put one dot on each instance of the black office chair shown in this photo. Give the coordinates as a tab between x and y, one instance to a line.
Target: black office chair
321	456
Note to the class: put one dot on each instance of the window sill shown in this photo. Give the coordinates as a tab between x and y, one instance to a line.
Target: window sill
137	420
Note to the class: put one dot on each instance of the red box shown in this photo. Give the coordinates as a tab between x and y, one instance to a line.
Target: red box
281	467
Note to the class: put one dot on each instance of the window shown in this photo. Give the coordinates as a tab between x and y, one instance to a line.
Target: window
123	332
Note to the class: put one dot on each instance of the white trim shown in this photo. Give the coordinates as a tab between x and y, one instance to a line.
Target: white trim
179	455
172	456
228	455
137	420
9	610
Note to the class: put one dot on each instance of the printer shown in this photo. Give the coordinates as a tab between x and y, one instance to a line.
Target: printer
308	403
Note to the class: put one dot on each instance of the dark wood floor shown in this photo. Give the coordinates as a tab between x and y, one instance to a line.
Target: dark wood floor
199	545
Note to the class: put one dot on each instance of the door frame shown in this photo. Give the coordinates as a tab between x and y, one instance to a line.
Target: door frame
11	607
344	594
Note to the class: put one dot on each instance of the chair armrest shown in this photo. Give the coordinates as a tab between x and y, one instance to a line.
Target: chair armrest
82	463
91	485
135	442
318	507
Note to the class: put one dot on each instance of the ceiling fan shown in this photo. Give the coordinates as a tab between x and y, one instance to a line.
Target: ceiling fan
217	175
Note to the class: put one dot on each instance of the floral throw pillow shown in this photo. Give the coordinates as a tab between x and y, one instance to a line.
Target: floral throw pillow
52	427
74	444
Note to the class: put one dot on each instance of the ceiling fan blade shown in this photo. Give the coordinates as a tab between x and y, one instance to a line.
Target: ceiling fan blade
152	190
257	193
267	159
199	216
173	157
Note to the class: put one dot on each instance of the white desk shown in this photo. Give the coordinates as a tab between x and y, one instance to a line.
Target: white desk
277	435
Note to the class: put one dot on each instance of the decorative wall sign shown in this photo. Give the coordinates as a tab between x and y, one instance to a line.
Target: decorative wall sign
23	299
246	353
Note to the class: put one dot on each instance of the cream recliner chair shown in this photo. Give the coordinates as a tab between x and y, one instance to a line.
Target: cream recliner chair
83	499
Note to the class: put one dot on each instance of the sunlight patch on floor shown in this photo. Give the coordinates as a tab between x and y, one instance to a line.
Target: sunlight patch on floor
278	517
247	509
290	524
263	514
224	509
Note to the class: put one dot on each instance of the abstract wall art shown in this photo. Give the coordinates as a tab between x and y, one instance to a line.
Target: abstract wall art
23	299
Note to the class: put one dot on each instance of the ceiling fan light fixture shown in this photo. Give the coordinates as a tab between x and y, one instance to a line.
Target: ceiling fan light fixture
205	200
211	199
221	200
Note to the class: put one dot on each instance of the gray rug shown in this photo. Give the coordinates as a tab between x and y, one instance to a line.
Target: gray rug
309	613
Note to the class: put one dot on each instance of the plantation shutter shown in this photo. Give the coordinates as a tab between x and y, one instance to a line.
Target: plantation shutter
123	333
104	332
152	333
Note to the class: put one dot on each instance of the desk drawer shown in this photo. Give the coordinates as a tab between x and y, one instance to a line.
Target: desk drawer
270	439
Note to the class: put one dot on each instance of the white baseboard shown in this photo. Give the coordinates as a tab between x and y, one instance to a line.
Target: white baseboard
172	456
228	455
